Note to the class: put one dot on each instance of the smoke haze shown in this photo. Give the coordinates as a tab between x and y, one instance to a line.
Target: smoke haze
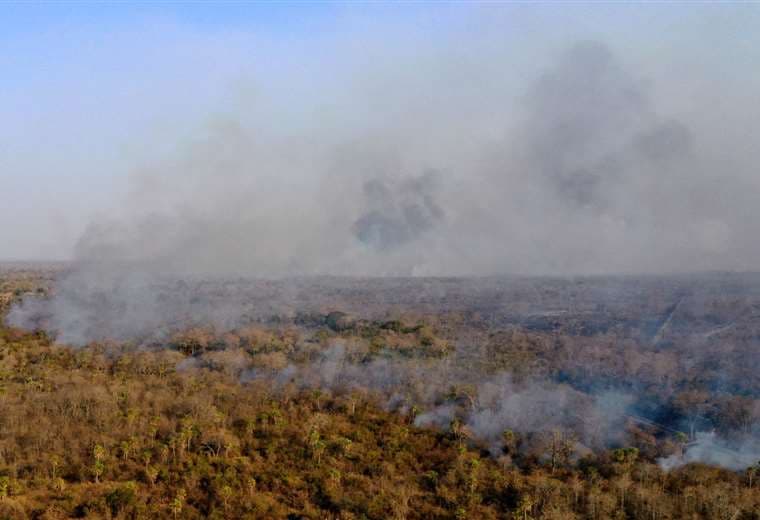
440	152
594	160
427	158
590	176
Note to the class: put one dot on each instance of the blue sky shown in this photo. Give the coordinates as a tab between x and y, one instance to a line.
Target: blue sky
221	14
92	91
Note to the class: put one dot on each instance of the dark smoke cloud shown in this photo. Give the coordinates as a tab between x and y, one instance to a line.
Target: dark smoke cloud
594	136
581	116
398	212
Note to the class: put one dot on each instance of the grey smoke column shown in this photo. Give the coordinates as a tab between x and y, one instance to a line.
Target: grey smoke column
591	128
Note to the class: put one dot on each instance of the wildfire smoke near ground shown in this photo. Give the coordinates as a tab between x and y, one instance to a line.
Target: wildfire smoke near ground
380	261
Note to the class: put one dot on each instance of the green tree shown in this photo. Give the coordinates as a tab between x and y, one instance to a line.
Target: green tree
98	465
178	503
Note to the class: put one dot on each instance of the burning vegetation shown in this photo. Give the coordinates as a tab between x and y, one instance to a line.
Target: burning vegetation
535	398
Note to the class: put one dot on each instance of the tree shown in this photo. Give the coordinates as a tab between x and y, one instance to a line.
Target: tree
98	466
458	431
561	448
5	484
178	502
752	472
681	440
692	404
225	494
151	473
625	456
510	442
524	508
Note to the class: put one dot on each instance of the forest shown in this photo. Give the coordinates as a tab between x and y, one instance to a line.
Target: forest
626	399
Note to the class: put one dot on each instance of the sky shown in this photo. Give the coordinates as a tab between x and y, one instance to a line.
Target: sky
93	95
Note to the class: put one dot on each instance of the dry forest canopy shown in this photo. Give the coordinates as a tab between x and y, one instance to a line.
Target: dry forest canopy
350	398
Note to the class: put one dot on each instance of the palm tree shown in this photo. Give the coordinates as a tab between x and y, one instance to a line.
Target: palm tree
178	502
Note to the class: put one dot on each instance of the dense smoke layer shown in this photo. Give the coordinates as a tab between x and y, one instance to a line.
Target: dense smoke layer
589	175
585	155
